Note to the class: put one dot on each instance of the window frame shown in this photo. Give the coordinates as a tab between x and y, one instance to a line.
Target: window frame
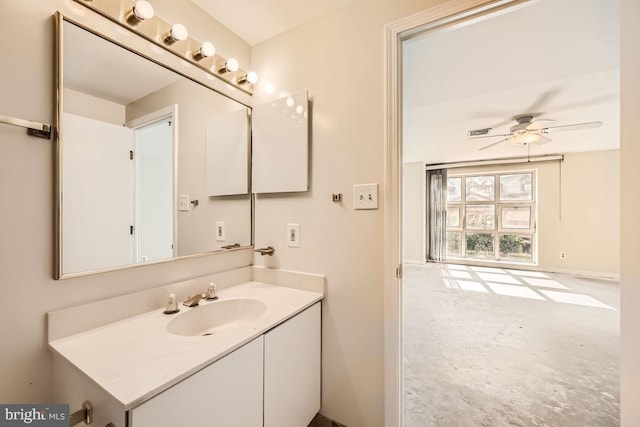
498	229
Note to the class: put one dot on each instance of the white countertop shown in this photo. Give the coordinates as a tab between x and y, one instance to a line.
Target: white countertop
137	358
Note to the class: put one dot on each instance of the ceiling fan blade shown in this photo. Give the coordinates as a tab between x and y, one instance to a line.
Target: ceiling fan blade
543	140
576	126
488	136
495	143
586	102
543	99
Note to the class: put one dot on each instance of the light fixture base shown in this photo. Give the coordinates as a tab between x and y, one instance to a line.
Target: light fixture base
157	31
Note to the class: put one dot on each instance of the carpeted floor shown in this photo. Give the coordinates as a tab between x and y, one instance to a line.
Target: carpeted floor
494	347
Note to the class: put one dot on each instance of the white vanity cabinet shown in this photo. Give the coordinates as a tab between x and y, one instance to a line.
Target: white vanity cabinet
292	359
226	393
271	381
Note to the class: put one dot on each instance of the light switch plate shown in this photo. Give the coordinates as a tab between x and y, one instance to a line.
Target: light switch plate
220	231
183	202
293	235
365	196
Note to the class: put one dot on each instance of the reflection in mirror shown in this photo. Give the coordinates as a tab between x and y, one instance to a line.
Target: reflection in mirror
134	138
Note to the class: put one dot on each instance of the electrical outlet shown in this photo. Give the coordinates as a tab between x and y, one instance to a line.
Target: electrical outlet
293	235
183	203
365	196
563	255
220	231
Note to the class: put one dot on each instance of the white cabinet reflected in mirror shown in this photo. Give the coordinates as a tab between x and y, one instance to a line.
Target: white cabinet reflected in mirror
280	154
133	136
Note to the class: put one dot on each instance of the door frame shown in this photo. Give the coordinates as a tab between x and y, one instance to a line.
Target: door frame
450	13
170	111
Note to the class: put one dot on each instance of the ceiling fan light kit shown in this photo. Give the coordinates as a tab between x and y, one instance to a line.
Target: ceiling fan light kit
528	131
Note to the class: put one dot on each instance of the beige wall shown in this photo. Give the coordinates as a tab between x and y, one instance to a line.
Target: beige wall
414	212
345	245
340	59
27	290
630	215
84	105
578	214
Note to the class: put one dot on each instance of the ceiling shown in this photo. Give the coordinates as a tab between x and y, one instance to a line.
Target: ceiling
105	70
555	59
258	20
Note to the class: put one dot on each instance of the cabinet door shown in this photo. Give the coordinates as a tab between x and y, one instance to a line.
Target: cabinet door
227	393
292	370
280	145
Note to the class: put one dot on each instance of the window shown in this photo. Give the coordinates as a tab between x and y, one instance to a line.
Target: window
491	217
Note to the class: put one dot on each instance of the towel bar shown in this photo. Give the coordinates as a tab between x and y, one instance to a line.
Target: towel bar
41	130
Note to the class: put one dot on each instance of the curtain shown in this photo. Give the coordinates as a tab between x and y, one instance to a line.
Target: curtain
436	214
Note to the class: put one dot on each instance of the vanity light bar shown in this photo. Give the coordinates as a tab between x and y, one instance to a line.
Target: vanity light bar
175	38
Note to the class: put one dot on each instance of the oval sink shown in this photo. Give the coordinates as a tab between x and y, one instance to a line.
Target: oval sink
209	318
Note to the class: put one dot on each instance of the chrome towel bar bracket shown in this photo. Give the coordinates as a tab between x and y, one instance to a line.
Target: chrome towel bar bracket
40	130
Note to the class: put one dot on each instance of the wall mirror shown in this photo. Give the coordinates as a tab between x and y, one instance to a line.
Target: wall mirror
152	165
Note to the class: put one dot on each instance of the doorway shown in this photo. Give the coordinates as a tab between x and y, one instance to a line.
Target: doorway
452	275
154	157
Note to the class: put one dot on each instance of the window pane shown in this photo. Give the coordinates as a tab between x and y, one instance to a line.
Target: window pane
479	188
480	217
516	217
515	247
453	216
454	189
516	187
454	241
479	245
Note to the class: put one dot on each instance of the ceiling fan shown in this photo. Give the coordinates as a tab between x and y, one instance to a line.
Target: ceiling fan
528	131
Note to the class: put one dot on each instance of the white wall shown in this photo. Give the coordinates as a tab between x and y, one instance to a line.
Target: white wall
27	289
630	243
580	217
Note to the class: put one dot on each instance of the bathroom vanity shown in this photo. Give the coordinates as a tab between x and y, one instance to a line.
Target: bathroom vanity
250	358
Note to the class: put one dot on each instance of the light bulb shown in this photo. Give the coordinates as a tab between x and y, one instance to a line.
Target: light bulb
141	11
526	137
250	77
290	102
231	65
206	50
177	33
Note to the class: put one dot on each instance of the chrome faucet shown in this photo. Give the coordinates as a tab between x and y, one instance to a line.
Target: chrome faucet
269	250
192	301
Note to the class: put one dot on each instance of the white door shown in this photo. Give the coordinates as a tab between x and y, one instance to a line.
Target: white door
155	162
97	194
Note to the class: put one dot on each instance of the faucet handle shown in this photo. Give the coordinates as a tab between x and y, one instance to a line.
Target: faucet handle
172	304
192	301
212	292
